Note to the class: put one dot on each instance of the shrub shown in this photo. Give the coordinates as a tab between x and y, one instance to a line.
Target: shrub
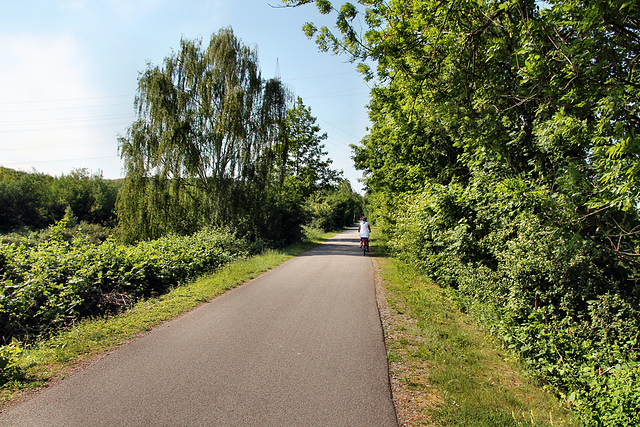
552	294
57	282
9	369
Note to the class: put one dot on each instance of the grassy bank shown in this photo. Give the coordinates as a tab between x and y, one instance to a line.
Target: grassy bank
57	357
444	370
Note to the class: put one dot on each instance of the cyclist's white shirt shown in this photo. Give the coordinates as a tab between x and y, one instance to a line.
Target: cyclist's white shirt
364	229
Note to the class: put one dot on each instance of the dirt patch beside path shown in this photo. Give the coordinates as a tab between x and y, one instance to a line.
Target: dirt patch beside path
412	395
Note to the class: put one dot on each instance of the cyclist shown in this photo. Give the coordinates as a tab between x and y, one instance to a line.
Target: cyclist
364	228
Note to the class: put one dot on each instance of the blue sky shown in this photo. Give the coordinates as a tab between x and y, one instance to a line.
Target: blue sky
69	69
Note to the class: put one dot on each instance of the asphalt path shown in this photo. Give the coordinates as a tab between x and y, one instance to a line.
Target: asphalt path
301	345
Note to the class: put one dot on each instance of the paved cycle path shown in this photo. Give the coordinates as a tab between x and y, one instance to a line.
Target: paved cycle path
301	345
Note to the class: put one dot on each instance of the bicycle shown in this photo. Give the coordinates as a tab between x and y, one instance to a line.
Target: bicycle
365	245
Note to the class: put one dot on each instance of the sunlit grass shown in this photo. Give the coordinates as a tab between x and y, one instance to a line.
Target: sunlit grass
90	338
456	374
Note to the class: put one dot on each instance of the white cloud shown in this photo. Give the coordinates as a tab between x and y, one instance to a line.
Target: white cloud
47	104
41	68
74	4
130	6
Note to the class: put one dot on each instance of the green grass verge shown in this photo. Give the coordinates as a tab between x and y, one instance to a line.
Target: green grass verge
56	357
445	371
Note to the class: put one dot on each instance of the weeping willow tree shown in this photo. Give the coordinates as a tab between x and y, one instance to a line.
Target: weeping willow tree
205	146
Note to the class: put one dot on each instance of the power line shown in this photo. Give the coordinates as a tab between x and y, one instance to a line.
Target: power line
44	101
61	160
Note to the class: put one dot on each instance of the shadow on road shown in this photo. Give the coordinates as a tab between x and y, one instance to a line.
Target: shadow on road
342	245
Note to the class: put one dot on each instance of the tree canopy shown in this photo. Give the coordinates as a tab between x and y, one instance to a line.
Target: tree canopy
202	151
215	144
32	201
307	164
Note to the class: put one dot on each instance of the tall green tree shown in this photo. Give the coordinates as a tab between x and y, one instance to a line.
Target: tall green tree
336	207
27	200
202	150
308	168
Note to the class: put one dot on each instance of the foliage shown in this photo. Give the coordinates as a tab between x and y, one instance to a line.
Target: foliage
556	298
307	170
327	199
216	145
9	354
90	198
33	201
335	208
209	135
26	200
94	233
447	370
37	364
54	284
503	160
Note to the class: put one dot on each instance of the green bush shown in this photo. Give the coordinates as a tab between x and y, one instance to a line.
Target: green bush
334	209
57	282
556	297
9	369
611	398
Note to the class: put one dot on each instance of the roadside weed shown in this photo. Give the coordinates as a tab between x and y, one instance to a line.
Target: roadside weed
445	370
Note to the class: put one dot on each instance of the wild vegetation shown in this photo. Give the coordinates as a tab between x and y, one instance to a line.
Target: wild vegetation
33	201
444	370
220	164
503	162
58	282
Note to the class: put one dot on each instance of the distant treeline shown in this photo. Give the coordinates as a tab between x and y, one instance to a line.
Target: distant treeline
213	145
32	201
